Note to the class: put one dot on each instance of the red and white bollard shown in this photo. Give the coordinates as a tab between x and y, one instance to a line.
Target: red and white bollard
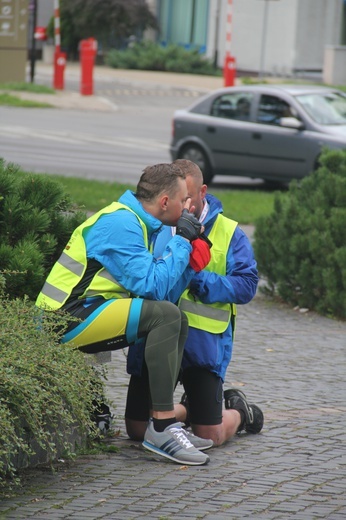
87	51
229	70
59	57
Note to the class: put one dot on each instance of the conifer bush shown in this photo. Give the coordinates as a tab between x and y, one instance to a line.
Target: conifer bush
301	247
151	56
37	218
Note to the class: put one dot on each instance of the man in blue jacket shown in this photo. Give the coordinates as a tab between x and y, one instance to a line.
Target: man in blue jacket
208	297
108	278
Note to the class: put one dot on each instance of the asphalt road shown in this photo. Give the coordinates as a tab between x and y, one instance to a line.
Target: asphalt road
110	145
113	146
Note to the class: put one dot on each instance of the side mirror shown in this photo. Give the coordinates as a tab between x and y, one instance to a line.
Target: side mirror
291	122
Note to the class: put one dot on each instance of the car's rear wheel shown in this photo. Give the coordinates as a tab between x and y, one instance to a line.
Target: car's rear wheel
194	153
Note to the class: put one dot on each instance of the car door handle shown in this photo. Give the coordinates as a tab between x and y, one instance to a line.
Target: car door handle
257	135
211	129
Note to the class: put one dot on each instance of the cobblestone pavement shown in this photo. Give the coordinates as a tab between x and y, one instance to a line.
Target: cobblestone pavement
290	363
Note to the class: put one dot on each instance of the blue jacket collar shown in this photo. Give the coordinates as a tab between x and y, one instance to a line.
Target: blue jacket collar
129	199
215	207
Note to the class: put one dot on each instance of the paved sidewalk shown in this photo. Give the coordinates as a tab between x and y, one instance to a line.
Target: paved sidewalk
143	79
293	365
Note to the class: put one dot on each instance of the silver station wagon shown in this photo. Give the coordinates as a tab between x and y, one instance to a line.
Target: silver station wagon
270	132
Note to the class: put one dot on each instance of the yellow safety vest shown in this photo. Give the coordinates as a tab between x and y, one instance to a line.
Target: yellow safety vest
213	317
69	270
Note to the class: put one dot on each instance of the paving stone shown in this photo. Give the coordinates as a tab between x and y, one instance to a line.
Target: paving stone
294	469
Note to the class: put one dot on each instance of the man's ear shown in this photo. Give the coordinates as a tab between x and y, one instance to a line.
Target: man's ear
204	190
164	202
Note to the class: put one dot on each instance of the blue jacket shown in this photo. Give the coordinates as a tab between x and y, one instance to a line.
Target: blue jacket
116	241
204	349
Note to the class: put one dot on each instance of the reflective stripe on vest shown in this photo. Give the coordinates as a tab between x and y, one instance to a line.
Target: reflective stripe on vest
70	268
214	317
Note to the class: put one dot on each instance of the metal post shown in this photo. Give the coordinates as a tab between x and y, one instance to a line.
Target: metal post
216	39
264	34
229	16
33	41
57	42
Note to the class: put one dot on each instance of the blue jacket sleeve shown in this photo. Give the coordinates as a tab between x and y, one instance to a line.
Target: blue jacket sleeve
117	242
240	282
161	250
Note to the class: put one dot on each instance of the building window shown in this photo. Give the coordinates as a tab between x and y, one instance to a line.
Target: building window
184	22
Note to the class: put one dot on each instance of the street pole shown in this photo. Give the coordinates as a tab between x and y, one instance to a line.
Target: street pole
216	39
33	40
264	34
57	26
264	39
229	72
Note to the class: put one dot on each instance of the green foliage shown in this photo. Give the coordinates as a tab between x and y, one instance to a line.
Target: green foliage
111	22
39	405
14	101
37	218
301	246
243	205
151	56
27	87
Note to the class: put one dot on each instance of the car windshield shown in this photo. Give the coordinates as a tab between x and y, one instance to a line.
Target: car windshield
326	109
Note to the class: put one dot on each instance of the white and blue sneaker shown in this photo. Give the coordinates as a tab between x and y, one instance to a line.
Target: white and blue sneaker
173	444
198	442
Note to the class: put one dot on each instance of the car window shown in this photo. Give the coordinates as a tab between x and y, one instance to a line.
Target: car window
272	108
232	106
326	109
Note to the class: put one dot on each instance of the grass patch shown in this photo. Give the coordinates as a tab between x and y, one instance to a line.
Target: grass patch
27	87
92	195
14	101
243	205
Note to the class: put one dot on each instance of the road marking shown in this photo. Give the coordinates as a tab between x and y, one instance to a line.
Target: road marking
20	132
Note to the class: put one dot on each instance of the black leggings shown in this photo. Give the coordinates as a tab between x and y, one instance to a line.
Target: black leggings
204	391
165	328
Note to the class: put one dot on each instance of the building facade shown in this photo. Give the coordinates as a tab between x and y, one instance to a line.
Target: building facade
269	36
277	37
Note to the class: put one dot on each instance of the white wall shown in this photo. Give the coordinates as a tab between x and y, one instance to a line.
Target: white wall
45	10
319	23
297	32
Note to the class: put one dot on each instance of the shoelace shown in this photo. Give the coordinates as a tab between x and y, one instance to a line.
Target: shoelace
180	435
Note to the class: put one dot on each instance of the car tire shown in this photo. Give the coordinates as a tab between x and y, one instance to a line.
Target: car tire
195	154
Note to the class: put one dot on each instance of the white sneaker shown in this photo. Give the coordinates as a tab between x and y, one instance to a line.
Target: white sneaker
198	442
173	444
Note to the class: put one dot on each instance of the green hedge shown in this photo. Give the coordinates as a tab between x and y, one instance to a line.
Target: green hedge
46	389
301	246
150	56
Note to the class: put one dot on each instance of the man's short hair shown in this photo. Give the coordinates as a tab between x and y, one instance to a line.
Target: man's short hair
157	179
189	168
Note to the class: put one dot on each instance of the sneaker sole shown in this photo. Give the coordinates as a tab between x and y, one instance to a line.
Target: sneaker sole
156	450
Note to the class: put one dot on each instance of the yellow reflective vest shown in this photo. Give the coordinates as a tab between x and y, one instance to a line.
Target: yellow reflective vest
69	270
213	317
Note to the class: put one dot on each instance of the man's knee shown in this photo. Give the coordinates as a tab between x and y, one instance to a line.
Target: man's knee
215	432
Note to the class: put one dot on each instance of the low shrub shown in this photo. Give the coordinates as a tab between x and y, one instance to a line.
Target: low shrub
301	246
46	389
151	56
